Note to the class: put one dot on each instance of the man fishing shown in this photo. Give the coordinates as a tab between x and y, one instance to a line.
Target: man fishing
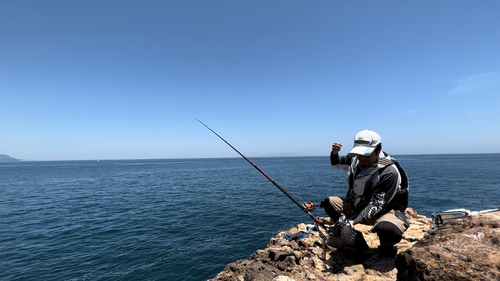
378	190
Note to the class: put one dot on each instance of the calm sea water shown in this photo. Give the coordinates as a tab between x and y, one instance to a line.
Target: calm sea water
188	219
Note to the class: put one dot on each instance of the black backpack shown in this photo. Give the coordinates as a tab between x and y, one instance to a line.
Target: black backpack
400	201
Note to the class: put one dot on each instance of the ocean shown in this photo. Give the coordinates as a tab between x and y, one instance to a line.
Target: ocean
186	219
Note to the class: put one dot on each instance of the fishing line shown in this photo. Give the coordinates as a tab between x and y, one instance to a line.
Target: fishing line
255	166
341	175
308	208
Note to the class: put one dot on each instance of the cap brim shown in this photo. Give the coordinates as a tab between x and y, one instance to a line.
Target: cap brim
362	150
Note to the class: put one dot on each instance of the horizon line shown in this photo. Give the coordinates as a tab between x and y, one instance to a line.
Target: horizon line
231	157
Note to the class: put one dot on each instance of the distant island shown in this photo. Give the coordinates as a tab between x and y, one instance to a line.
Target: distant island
7	158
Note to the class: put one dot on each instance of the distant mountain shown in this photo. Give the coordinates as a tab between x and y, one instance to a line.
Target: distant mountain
7	158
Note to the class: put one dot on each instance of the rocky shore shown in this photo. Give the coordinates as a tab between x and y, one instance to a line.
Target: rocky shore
466	249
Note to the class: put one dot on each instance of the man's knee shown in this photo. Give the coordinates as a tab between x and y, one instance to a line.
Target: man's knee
388	233
330	209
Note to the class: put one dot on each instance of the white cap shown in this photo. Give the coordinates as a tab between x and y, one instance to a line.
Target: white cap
365	143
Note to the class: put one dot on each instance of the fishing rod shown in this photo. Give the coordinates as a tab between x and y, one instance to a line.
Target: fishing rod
308	208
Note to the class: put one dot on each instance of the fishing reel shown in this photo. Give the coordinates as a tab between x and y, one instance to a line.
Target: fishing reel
309	207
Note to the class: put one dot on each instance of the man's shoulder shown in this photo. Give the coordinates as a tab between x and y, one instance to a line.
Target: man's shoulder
391	169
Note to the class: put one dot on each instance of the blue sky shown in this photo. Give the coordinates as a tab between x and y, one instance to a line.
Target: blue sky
123	79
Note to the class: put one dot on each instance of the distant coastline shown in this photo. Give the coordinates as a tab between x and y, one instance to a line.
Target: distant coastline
7	158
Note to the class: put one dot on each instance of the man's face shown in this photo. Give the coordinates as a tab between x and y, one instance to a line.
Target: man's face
368	160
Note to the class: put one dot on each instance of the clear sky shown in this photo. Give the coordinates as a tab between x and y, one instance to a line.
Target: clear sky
123	79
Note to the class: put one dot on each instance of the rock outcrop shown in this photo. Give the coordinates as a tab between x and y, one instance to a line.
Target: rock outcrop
7	158
460	250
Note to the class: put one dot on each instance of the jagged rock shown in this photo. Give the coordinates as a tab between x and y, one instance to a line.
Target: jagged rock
283	278
460	250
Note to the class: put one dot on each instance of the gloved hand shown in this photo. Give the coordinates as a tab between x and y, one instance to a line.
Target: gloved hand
342	234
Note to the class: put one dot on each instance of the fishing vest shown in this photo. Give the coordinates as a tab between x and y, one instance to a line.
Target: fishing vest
362	181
